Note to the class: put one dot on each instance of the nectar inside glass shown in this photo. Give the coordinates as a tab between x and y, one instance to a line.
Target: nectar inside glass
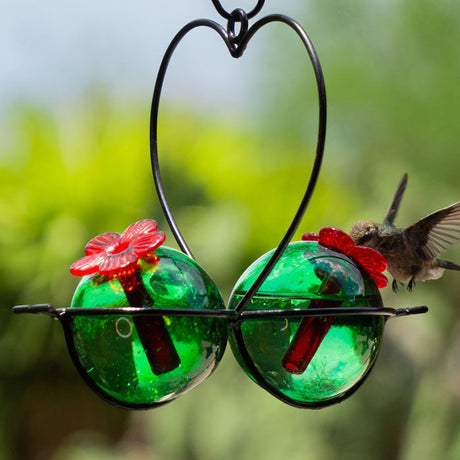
308	361
139	361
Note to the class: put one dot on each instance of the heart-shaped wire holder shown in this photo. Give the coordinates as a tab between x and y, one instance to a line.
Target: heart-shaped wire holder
236	42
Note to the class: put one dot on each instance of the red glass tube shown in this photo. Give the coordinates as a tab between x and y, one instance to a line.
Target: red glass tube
311	330
158	345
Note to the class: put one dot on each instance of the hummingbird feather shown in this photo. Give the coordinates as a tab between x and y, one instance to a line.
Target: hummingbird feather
436	232
394	206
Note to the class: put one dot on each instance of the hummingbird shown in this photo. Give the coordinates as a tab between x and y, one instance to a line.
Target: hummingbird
412	252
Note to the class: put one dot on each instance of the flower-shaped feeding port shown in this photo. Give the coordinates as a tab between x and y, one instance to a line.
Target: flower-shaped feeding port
143	327
312	360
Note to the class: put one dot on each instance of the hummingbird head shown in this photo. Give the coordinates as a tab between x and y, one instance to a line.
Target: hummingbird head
365	233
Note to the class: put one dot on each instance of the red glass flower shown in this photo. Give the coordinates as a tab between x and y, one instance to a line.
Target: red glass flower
112	253
369	259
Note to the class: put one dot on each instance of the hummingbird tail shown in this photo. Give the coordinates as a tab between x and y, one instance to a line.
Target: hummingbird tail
448	265
394	207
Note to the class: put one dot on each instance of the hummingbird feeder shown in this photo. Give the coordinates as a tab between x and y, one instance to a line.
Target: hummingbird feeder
305	321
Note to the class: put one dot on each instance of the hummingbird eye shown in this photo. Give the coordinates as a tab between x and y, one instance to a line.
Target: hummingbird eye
385	245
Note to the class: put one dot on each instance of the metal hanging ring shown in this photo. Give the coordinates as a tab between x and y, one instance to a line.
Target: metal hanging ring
238	16
224	13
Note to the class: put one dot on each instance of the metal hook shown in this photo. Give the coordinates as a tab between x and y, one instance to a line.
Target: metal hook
224	13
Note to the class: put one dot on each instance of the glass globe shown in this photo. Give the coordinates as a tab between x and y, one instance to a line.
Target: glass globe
143	360
309	361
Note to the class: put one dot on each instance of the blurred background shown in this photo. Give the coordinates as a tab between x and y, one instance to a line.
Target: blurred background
237	139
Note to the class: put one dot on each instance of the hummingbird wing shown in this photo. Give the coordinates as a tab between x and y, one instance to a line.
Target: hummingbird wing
394	206
435	233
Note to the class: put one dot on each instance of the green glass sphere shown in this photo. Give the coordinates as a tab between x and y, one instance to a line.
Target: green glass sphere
148	359
308	275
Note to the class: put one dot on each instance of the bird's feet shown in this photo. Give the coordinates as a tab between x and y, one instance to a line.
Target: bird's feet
411	285
394	286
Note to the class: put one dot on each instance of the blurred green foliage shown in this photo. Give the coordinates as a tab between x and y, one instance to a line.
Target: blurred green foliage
392	72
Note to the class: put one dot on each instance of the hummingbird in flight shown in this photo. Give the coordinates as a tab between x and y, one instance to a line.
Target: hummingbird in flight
412	252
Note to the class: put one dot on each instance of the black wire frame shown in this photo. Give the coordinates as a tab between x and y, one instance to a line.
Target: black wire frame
231	315
235	320
236	45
